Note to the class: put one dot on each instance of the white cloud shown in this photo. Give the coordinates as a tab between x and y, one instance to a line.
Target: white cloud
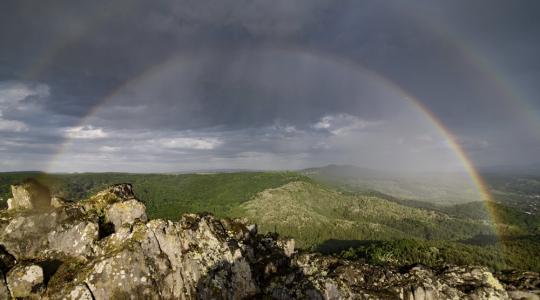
190	143
109	149
12	92
342	124
12	126
290	129
324	123
85	132
279	127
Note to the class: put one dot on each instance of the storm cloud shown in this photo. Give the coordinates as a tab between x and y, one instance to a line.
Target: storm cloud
192	85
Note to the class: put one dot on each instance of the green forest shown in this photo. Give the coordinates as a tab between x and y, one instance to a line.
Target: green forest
365	225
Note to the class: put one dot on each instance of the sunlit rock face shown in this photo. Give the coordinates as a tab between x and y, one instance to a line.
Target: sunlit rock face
105	248
125	212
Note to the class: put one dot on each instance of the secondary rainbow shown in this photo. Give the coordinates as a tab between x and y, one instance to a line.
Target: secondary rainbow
516	102
445	132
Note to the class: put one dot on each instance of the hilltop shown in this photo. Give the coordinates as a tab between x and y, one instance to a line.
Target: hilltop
314	214
104	247
369	225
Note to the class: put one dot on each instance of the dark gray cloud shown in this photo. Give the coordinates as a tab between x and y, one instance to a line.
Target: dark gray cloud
176	85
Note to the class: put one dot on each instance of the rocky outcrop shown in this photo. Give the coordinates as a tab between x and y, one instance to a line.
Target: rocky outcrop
105	248
339	279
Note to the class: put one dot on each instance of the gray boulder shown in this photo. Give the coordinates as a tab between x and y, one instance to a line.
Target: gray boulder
125	212
25	281
31	235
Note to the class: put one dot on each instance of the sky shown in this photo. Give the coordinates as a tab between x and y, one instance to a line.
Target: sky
172	86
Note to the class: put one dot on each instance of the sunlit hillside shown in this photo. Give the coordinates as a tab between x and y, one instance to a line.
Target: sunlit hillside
314	214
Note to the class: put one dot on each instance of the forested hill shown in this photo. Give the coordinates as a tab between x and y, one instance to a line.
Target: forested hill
165	195
324	217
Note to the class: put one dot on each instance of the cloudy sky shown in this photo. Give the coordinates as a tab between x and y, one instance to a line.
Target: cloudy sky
166	86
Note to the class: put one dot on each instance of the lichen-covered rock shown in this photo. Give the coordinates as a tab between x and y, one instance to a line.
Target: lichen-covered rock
205	259
121	275
339	279
29	194
105	248
125	212
115	193
523	295
25	281
74	239
64	231
78	292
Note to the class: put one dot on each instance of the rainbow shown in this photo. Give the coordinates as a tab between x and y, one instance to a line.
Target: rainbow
98	19
470	53
487	68
475	177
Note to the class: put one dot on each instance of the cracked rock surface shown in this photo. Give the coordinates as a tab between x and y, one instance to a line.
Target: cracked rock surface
106	248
